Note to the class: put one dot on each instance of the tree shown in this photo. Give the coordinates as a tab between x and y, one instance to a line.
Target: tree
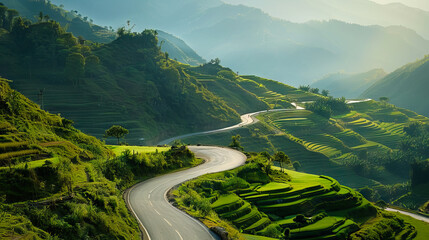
325	92
75	67
236	143
296	165
92	64
3	11
282	158
300	220
314	90
215	61
305	88
384	99
116	131
11	14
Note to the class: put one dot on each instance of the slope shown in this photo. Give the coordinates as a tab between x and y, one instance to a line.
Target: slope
252	42
405	87
128	81
361	12
275	203
350	86
85	27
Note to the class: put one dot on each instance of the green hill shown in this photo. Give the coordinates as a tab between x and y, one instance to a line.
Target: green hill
343	146
350	86
128	81
58	183
405	87
79	25
281	203
251	41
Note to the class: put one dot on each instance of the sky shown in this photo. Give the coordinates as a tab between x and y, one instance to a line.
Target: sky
422	4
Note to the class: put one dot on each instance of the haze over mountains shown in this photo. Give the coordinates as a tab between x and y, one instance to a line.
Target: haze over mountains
364	12
347	85
252	42
406	87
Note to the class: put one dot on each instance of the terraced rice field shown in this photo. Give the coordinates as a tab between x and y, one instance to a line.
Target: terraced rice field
279	203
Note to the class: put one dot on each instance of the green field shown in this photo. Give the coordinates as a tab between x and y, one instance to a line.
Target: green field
421	227
326	146
136	149
263	209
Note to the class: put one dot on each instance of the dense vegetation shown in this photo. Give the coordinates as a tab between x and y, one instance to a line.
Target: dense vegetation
364	147
85	27
108	80
257	200
251	41
58	183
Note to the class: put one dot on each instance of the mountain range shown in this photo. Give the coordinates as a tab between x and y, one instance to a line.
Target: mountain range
86	27
252	42
348	85
363	12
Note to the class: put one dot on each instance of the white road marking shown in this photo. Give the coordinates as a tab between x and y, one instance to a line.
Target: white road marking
148	196
168	222
150	203
157	212
179	235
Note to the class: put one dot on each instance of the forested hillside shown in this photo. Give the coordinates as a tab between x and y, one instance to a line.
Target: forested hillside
58	183
252	42
405	87
128	81
83	26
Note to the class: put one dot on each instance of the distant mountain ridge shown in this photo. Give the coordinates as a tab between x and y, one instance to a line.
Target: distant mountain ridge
84	26
364	12
252	42
406	87
348	85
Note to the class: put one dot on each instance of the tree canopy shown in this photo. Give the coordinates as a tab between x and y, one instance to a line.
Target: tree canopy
116	131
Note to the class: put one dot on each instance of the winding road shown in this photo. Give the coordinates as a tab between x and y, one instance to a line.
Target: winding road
413	215
246	119
158	217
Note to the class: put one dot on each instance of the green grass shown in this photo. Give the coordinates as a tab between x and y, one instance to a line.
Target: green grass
325	223
34	164
256	237
136	149
273	187
421	227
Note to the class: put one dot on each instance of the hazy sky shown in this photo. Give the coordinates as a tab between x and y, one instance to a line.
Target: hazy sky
423	4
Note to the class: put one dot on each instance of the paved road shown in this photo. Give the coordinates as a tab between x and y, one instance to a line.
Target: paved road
413	215
163	221
246	119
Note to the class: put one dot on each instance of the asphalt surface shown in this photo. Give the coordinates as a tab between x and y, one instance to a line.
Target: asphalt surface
160	219
246	119
413	215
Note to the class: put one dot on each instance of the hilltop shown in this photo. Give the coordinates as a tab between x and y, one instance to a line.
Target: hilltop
83	26
361	12
405	87
98	85
251	41
350	86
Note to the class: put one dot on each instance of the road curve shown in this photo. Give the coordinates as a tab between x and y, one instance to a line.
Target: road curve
159	218
246	119
413	215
